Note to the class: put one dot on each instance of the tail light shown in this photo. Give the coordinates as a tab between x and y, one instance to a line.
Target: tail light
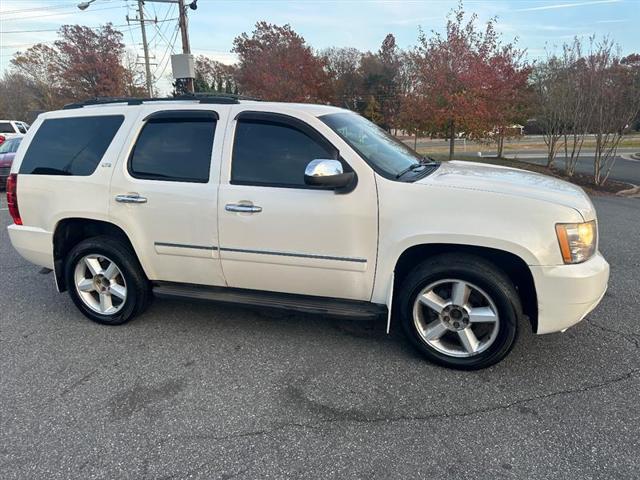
12	198
2	139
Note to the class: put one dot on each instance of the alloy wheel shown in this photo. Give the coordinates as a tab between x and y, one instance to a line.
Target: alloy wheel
456	318
100	284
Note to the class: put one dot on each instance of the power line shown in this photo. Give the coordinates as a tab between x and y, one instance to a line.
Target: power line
57	14
38	9
133	42
124	25
165	19
164	56
160	32
73	5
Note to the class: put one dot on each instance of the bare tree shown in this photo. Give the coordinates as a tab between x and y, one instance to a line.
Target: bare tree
550	103
18	97
614	103
342	65
576	92
135	82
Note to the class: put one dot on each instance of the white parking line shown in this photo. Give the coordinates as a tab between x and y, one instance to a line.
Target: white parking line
4	209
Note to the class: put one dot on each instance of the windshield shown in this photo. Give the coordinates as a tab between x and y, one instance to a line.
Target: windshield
378	147
10	146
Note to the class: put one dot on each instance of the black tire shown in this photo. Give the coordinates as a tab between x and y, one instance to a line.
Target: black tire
138	289
481	273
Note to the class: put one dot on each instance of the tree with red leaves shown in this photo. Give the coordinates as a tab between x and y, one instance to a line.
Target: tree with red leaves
509	97
214	76
83	63
275	63
466	79
90	61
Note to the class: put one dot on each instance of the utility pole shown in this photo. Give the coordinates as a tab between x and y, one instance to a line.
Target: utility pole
182	22
182	65
145	47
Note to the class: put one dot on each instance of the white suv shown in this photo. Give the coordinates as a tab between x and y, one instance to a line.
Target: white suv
302	207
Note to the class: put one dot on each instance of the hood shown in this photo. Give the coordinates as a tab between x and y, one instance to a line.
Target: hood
511	181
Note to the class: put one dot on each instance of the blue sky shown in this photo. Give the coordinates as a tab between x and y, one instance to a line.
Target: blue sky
538	24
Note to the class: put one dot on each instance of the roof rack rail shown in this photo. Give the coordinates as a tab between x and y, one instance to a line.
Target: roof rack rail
196	97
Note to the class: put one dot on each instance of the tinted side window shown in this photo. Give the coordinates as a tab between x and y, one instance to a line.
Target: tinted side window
174	149
11	145
273	153
21	128
6	127
70	146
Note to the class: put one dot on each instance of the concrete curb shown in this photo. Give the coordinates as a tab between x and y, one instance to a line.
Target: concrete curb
633	192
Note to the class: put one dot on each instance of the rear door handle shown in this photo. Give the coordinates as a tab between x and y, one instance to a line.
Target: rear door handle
130	198
242	208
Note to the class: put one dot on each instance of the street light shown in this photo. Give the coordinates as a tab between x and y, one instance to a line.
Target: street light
85	5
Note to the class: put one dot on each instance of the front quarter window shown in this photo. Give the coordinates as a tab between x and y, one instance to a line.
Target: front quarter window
386	155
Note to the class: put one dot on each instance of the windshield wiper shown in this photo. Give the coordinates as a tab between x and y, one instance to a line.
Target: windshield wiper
426	160
410	168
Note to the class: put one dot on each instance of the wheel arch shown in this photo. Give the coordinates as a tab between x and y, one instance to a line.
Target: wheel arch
68	232
514	267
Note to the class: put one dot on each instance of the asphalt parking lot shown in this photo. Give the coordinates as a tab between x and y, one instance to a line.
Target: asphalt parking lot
196	390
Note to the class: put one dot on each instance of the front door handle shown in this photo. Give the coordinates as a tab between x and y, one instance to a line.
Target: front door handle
130	198
242	208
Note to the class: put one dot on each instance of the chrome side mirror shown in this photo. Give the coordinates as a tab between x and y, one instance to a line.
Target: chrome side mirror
327	173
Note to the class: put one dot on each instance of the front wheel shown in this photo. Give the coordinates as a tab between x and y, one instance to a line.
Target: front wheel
460	311
105	280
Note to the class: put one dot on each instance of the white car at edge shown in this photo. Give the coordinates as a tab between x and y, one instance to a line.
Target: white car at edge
304	207
12	128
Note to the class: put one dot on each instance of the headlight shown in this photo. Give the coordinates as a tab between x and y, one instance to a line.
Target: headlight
577	240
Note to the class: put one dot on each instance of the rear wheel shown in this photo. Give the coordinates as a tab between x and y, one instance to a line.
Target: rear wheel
460	311
105	280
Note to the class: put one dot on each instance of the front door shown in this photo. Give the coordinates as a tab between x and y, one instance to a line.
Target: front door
164	193
278	234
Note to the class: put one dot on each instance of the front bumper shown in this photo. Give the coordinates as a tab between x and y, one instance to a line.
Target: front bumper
567	293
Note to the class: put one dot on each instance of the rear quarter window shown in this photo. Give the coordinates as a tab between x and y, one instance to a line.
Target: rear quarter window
70	146
6	127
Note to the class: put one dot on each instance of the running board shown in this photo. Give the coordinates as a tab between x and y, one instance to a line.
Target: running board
333	307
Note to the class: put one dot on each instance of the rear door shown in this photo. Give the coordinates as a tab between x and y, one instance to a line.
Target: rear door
163	192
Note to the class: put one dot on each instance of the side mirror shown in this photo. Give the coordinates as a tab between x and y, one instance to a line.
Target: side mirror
328	174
